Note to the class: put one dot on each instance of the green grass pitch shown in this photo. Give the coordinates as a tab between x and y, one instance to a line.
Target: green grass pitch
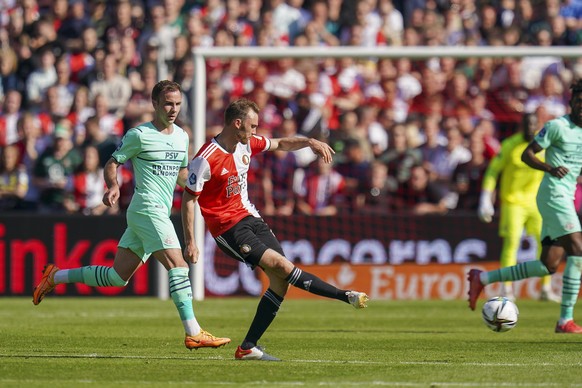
113	342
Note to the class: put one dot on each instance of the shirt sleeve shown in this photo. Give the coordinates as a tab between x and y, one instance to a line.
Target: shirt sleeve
259	144
198	174
546	136
129	147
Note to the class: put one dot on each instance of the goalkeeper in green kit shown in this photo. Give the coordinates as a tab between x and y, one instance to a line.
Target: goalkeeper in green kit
561	231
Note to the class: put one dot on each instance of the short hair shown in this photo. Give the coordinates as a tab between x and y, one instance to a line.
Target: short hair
239	109
165	86
576	87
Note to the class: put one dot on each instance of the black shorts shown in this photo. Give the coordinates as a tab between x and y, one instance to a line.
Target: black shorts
248	240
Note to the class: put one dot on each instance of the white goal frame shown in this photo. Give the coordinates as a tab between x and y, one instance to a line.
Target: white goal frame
200	56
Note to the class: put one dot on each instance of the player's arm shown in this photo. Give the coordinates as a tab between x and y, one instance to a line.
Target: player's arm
110	176
191	252
529	157
486	209
296	143
182	176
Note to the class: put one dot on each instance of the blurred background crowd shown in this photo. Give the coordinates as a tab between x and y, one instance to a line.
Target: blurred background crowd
409	136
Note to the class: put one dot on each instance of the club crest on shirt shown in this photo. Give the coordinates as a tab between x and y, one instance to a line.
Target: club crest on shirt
192	179
542	132
245	159
245	249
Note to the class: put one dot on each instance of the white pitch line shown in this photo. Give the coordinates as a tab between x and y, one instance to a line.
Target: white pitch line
319	383
299	361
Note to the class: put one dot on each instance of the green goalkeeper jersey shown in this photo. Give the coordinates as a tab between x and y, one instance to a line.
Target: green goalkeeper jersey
157	158
562	140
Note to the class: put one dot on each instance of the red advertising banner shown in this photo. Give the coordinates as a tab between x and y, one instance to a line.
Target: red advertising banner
28	243
421	246
413	282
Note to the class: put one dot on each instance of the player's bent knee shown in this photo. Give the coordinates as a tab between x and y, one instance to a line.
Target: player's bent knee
116	280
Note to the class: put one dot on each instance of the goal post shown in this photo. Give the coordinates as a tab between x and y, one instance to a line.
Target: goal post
200	56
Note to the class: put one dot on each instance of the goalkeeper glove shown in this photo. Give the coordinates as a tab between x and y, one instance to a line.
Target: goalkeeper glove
486	209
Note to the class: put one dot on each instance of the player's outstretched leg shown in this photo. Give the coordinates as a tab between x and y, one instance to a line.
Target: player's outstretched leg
313	284
475	287
46	284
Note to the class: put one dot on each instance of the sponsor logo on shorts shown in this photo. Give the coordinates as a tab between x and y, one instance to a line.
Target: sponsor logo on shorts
245	248
569	226
169	240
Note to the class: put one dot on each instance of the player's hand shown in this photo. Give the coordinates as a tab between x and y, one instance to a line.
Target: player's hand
322	149
191	253
111	196
559	172
486	209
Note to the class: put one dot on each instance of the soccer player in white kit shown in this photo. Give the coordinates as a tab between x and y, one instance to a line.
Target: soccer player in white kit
217	180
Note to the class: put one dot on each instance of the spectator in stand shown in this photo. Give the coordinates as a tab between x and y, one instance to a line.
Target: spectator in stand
550	95
13	178
467	177
65	87
114	87
507	97
355	168
157	28
41	79
392	22
99	18
347	94
88	188
285	82
95	137
419	195
80	111
54	168
455	153
215	105
400	156
322	189
109	123
140	101
9	116
74	24
382	186
9	79
32	143
269	115
319	30
278	177
122	24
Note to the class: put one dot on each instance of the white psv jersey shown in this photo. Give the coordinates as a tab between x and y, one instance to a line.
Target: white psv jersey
219	179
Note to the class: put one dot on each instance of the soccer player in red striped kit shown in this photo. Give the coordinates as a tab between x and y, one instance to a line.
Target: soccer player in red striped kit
217	180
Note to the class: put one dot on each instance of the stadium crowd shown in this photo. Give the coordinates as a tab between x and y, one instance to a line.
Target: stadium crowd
409	135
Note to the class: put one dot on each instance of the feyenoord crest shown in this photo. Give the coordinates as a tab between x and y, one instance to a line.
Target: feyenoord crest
245	159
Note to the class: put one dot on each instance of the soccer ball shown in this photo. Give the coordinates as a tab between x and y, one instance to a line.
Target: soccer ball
500	314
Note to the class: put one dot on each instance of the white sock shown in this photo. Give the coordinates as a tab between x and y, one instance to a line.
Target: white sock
61	276
191	327
484	278
562	321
